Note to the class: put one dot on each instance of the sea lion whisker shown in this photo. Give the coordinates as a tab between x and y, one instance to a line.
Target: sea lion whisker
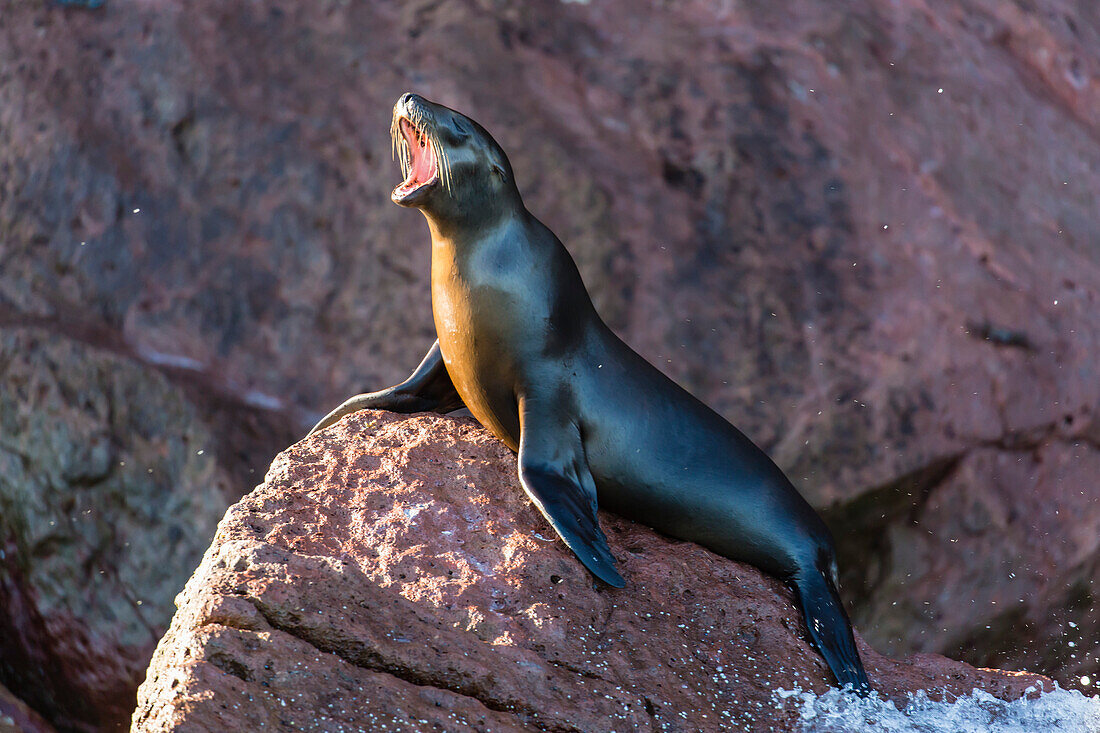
439	165
403	154
393	138
442	162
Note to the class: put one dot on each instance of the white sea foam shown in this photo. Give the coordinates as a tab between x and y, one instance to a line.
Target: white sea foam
1058	711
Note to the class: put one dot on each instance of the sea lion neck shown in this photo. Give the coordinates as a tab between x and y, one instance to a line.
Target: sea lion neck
466	226
463	237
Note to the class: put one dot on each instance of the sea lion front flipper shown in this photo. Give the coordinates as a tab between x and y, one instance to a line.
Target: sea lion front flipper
428	389
554	474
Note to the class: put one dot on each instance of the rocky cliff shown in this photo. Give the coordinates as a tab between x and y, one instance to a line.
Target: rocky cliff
107	500
390	574
16	717
868	238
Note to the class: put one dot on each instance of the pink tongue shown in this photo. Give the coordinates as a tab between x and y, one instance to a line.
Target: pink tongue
423	164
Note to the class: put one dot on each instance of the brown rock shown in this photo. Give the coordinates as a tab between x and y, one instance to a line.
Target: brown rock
390	574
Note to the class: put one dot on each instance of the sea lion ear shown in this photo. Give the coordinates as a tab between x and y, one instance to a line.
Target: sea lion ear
460	129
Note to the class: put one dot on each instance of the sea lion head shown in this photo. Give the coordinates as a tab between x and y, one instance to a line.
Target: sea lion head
455	172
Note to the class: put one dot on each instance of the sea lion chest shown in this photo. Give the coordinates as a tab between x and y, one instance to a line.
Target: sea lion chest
479	303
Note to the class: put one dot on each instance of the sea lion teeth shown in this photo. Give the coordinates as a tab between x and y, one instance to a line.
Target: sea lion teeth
419	162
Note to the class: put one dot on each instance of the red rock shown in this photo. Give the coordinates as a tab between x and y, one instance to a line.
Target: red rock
890	287
16	717
390	574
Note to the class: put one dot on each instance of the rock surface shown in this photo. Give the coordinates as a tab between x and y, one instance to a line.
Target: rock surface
107	501
390	574
867	238
16	717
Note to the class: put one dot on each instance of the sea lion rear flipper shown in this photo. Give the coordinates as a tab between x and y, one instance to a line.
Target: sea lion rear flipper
428	389
829	627
554	474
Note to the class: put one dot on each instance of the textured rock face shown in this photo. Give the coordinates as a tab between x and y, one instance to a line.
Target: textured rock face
107	500
16	717
389	574
867	238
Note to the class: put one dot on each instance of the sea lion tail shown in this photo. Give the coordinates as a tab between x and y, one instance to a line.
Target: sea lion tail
828	624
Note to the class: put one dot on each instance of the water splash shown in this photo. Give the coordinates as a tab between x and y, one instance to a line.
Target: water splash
1058	711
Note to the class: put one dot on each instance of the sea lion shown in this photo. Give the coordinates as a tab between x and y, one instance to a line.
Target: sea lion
520	345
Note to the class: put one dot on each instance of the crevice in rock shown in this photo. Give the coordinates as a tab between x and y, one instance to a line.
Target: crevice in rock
180	133
1027	441
999	336
230	666
28	666
858	525
373	661
574	669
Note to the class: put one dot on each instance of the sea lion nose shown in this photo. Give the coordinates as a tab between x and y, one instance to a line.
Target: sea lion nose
409	98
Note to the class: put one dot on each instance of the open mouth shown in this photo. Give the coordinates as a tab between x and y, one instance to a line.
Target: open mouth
418	160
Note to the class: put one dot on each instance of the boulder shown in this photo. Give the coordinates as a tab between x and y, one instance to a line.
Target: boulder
110	489
390	574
